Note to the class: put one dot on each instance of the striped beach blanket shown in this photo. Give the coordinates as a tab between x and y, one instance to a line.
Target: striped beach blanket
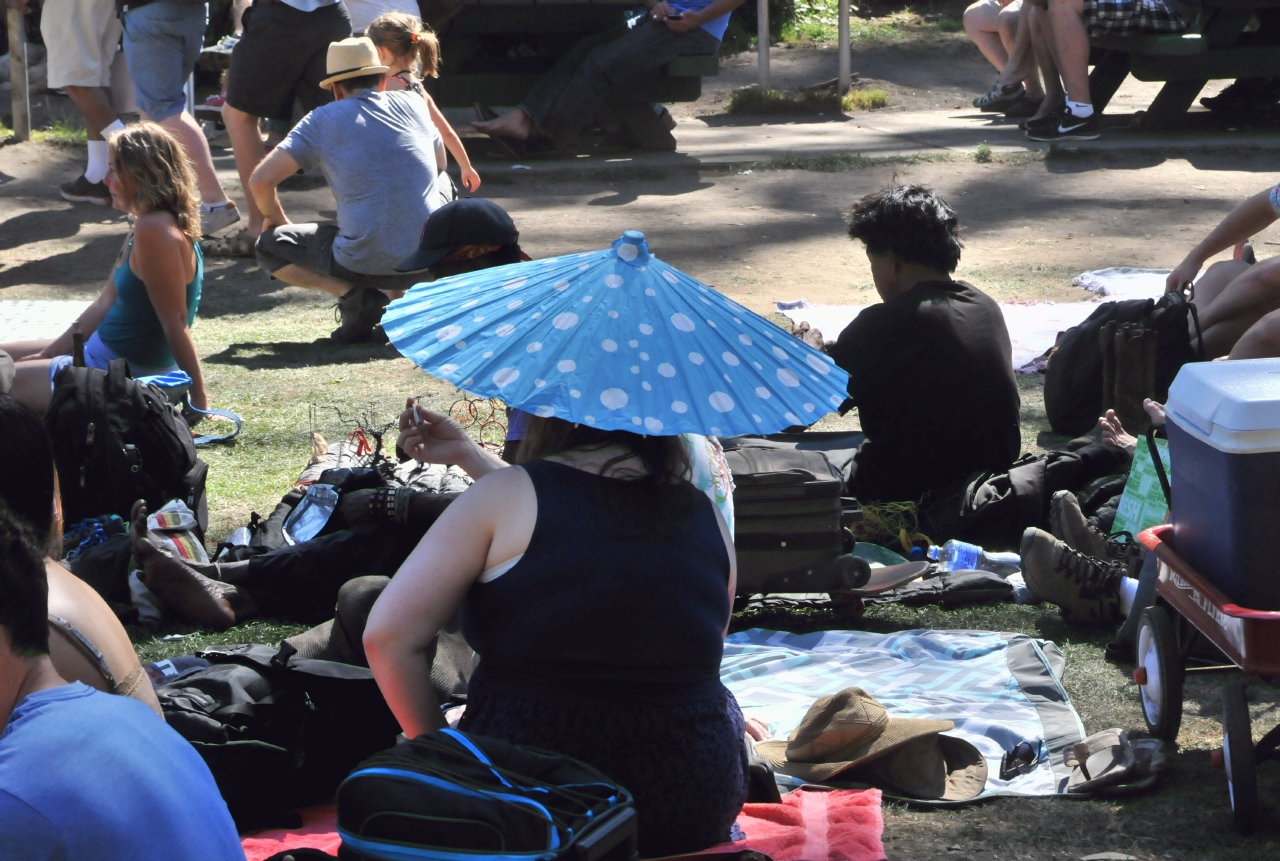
999	689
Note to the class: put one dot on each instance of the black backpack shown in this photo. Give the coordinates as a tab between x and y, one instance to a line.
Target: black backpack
997	507
115	441
1073	385
278	732
448	794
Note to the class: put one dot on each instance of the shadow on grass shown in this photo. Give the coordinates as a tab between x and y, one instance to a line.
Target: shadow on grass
294	354
42	224
91	261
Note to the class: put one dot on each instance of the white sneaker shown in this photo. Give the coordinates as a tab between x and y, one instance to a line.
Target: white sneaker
223	216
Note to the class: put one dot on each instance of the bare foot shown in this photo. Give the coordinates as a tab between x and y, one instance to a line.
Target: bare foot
513	124
185	591
808	334
1113	433
1047	107
1155	411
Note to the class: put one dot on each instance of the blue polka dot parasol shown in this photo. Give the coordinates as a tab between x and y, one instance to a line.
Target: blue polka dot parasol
617	340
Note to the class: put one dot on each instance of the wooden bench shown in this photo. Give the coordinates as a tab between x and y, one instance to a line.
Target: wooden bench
1217	49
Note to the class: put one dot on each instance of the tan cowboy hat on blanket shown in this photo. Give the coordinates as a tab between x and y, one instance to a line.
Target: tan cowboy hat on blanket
351	58
850	730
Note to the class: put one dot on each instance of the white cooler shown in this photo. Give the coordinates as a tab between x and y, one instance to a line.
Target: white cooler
1224	452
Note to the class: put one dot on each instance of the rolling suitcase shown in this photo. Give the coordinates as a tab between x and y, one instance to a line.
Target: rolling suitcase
453	795
791	520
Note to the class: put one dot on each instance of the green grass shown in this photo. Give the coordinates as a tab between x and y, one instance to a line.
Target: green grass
753	100
982	155
868	99
818	21
61	132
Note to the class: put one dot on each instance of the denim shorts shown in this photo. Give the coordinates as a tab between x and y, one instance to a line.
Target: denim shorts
162	42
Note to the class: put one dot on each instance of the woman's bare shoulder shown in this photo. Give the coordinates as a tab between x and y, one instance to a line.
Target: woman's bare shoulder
157	227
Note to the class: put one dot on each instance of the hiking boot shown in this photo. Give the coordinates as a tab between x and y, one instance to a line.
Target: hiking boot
83	191
1086	589
360	312
211	221
1067	127
1069	525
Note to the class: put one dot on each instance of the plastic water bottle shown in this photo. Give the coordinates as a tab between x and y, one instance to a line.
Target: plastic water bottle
240	538
961	556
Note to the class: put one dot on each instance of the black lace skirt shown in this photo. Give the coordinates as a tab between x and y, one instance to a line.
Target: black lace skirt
685	764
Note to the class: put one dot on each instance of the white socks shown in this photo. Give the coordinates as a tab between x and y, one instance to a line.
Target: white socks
1080	110
96	170
1128	591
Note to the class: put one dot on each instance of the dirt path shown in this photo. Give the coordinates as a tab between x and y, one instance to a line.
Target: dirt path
760	237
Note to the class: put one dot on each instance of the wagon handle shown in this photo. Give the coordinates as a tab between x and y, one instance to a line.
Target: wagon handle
1159	465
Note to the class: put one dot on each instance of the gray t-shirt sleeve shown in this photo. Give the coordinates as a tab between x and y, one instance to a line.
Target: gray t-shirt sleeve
303	143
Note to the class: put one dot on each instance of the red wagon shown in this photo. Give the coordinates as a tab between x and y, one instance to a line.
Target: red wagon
1188	606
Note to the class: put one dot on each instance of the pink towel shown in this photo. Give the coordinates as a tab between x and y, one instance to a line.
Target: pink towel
841	825
319	831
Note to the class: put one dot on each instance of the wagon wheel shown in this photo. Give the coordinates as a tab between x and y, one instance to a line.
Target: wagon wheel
1238	756
1159	674
464	412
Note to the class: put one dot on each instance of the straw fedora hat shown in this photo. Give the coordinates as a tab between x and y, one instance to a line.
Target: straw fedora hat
351	58
842	731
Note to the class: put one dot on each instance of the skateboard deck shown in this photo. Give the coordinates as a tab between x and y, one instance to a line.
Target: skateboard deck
889	577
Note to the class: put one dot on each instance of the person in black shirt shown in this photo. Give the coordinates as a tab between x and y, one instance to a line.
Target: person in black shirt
930	368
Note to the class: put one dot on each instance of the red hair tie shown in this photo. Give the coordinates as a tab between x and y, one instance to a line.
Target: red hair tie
413	37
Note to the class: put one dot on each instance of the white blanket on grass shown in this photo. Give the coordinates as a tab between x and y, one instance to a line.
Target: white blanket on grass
1033	326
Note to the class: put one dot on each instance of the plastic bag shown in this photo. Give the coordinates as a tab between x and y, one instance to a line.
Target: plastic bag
311	514
1143	504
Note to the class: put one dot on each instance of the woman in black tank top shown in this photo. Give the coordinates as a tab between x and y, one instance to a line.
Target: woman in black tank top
595	583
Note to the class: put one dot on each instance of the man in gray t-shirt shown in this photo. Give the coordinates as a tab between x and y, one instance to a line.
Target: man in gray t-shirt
381	154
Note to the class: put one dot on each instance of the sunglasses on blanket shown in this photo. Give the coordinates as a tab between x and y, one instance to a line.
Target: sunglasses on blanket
1023	759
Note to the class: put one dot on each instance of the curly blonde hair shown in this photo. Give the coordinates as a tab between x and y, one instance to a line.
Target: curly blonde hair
405	36
161	172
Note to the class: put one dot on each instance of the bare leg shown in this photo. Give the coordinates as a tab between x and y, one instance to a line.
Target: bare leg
513	124
246	143
1260	341
1215	279
1014	24
31	384
1021	63
184	128
980	24
95	104
1042	47
1071	40
299	276
183	590
19	349
1243	302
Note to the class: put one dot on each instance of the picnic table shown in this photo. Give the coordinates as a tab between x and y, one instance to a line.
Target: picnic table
495	51
1220	45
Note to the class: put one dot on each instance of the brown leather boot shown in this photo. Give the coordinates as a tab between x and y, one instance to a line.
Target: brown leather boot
1107	345
1135	359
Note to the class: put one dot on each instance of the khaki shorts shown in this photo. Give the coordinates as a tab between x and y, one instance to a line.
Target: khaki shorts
82	37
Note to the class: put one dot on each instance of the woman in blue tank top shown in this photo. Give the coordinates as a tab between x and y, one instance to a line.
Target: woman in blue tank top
595	583
145	311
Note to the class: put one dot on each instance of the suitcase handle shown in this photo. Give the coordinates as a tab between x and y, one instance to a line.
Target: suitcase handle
615	840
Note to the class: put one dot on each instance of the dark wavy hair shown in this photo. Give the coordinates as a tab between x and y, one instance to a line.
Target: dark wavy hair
913	222
26	466
24	587
651	501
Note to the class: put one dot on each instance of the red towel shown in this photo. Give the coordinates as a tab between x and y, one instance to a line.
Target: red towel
841	825
319	831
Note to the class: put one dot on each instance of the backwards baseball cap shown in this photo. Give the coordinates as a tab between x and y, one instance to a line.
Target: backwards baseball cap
463	222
